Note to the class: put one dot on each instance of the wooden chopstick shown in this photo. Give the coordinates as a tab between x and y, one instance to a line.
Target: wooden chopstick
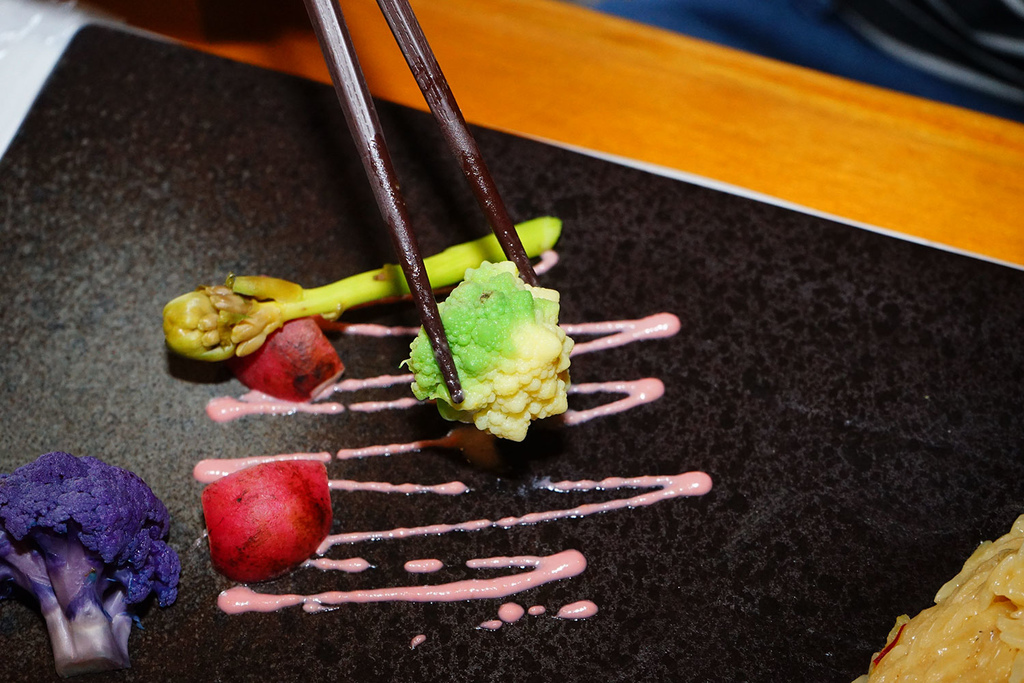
361	115
423	64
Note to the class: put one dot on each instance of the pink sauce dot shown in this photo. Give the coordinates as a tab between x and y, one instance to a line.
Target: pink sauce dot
417	641
352	565
537	610
423	566
510	612
578	610
492	625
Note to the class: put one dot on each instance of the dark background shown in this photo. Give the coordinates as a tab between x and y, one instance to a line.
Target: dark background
857	399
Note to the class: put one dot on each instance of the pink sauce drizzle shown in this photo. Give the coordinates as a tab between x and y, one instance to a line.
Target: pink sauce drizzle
686	484
548	260
451	488
210	470
417	641
638	392
380	382
379	331
621	332
510	612
352	565
388	449
584	609
618	333
207	471
563	565
536	610
226	408
377	406
423	566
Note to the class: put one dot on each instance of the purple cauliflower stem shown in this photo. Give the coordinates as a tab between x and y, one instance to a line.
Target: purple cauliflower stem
86	539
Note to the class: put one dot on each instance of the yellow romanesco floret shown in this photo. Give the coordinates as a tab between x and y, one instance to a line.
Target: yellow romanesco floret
512	357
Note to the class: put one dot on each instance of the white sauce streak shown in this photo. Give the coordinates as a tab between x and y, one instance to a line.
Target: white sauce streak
546	569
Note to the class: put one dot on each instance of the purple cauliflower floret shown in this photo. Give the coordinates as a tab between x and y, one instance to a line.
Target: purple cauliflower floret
87	540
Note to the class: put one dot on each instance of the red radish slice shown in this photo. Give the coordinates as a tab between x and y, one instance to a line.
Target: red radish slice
293	364
266	520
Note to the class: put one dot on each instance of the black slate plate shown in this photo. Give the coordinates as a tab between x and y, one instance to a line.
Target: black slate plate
856	399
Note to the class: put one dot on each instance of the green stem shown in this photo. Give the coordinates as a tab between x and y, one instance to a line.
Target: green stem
444	269
215	323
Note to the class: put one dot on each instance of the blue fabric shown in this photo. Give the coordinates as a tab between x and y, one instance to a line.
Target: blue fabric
803	32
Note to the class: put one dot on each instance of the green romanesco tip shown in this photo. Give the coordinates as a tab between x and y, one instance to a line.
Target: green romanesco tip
511	355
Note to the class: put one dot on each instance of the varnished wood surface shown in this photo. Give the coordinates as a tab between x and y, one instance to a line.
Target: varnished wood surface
560	72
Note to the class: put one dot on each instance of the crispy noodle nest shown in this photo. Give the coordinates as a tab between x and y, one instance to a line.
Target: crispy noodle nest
975	630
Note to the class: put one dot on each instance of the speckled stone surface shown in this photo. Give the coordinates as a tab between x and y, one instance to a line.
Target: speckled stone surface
857	399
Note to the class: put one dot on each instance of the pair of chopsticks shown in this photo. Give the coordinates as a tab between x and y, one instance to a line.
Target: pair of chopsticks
361	115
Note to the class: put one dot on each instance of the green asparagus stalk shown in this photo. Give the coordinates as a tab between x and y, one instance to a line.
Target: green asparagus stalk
214	323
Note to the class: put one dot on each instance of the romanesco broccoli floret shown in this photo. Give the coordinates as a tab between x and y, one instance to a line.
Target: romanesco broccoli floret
512	357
